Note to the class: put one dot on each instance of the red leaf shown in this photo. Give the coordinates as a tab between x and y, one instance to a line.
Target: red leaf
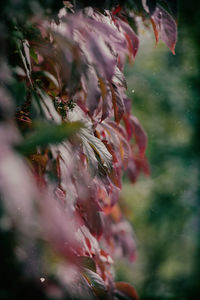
127	289
132	170
100	56
131	37
90	212
118	104
116	10
128	126
155	31
115	176
142	163
90	81
164	27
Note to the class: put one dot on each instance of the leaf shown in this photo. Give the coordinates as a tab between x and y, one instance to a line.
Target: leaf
103	87
91	243
124	243
87	262
107	106
119	78
118	103
51	78
34	55
131	37
46	133
115	176
116	10
149	6
97	283
164	27
91	158
132	170
48	106
26	59
26	48
104	26
92	90
126	289
90	212
98	146
100	56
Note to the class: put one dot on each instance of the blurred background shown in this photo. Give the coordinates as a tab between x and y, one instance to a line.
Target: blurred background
165	91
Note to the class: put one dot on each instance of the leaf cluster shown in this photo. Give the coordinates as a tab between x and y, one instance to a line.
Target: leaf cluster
68	135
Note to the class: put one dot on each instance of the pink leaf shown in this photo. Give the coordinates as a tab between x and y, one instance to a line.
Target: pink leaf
164	27
131	37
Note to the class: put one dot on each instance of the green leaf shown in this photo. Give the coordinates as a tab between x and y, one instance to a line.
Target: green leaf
97	283
34	56
87	262
47	133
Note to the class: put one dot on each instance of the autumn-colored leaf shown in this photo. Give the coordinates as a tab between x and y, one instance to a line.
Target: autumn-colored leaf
99	148
131	37
118	104
126	289
164	27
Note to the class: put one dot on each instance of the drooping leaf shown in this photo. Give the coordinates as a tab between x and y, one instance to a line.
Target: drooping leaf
127	290
101	56
98	146
118	103
107	105
90	212
91	157
48	107
103	87
132	170
115	176
96	283
149	6
26	48
34	55
92	89
131	37
119	79
87	262
26	59
164	27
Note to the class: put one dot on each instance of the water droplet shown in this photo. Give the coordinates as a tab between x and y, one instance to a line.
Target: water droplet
133	91
42	279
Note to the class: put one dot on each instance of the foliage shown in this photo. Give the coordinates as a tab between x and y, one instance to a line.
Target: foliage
67	137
